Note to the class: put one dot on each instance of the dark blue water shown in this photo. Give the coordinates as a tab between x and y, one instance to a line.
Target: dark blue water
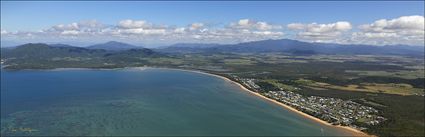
140	102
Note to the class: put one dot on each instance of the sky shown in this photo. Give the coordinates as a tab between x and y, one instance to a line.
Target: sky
156	23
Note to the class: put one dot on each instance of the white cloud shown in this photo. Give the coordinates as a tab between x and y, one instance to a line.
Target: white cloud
62	27
143	31
404	23
266	33
320	32
137	28
321	28
70	32
4	32
91	27
131	24
296	26
196	26
180	30
244	22
243	30
402	30
253	25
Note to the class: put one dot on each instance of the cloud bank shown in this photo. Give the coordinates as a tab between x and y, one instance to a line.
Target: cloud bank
402	30
320	32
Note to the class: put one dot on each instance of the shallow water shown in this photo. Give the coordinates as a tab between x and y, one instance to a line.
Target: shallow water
140	102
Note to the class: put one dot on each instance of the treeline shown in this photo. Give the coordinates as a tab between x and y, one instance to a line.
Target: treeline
417	83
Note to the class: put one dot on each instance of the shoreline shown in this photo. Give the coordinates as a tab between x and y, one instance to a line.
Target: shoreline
355	132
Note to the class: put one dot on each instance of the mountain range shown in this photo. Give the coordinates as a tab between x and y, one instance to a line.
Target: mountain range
43	51
265	46
299	47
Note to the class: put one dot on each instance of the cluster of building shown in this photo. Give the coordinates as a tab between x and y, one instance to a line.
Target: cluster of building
333	110
250	83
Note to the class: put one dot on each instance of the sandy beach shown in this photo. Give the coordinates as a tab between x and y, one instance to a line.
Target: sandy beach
353	131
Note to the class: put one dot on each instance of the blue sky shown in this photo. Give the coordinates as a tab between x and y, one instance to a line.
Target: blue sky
37	15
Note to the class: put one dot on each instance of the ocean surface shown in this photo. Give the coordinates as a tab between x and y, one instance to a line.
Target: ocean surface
140	102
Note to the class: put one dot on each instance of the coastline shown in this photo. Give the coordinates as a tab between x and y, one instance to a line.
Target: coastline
355	132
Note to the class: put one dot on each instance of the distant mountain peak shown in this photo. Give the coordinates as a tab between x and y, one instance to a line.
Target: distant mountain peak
114	42
114	46
33	45
195	45
60	45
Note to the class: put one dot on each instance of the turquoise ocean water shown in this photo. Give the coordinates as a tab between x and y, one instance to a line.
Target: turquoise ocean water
140	102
